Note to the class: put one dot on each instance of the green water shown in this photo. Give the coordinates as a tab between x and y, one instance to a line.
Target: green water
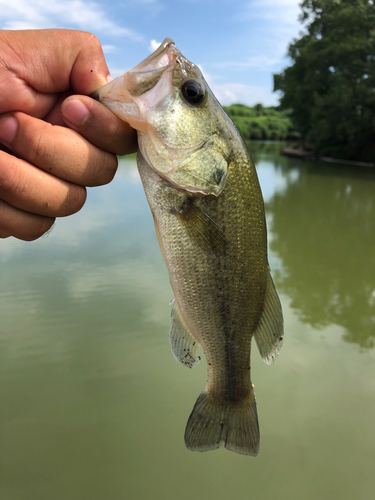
93	405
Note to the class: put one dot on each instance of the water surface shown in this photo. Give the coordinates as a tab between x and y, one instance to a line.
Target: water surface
93	403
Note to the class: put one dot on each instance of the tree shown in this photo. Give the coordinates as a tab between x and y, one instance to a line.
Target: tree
259	122
331	83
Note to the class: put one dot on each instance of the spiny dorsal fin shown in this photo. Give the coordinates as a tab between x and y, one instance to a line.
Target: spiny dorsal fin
202	228
184	346
269	335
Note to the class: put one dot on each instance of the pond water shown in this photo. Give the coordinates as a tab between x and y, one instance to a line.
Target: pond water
93	403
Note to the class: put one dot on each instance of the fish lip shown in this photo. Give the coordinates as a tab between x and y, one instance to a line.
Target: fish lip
159	62
168	47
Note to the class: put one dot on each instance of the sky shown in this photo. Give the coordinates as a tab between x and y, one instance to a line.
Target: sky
238	44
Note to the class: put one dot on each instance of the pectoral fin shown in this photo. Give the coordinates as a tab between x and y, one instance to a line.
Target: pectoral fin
202	229
269	335
184	346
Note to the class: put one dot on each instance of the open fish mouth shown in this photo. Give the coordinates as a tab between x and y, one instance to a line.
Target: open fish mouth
163	56
126	95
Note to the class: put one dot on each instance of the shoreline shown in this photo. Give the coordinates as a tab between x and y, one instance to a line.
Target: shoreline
309	155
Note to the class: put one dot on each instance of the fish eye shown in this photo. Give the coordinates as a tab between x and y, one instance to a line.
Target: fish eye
193	92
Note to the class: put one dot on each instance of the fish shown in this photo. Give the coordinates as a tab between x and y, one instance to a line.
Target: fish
203	191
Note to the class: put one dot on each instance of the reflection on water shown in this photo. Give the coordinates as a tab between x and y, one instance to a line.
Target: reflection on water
93	403
323	231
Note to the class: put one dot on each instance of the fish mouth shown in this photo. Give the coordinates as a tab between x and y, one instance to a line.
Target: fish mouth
163	56
141	88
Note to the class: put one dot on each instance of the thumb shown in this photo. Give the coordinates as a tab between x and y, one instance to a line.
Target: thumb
99	125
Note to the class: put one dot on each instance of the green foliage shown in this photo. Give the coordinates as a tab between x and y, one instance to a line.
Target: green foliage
331	84
262	123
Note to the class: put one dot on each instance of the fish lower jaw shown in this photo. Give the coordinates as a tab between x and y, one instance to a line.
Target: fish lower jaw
165	158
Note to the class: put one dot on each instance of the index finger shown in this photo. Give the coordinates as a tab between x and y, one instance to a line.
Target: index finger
45	62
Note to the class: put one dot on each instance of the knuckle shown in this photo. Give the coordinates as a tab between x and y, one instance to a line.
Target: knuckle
117	137
92	41
42	150
122	139
40	227
104	169
11	179
74	201
126	139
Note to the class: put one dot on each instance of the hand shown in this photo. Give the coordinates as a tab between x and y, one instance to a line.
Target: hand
45	166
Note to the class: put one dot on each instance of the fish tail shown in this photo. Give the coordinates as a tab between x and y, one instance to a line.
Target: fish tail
214	424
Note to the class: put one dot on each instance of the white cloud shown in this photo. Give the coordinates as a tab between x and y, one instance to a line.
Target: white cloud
109	49
206	75
230	93
115	72
261	63
153	45
280	21
284	11
152	5
23	14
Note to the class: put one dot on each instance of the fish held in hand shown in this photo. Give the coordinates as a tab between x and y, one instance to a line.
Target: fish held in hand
204	194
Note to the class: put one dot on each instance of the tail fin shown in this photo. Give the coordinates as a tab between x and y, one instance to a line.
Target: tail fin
213	424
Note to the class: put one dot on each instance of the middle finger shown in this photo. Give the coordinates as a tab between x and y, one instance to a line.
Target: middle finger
62	152
30	189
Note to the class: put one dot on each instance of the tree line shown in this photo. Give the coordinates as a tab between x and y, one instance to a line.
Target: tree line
263	123
328	92
330	85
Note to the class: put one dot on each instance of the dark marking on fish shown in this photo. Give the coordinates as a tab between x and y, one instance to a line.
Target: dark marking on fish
217	175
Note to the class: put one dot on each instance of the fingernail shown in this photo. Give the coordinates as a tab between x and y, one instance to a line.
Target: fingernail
109	78
75	112
8	129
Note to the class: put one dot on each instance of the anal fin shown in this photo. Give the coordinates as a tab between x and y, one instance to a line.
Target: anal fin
184	346
269	335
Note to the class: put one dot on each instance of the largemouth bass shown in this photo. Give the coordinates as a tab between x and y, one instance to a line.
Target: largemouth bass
204	195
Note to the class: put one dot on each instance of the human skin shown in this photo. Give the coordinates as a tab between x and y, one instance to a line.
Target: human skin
54	139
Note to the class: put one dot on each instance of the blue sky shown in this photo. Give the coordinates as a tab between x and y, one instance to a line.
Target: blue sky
238	44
